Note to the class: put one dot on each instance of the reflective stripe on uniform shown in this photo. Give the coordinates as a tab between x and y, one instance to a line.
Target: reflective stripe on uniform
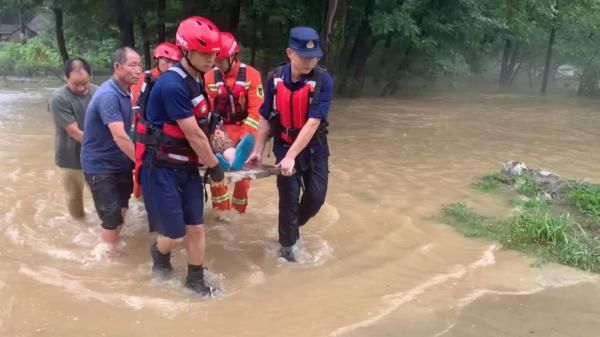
251	122
179	71
239	201
197	100
220	198
246	85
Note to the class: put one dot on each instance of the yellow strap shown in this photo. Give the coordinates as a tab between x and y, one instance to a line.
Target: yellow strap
239	201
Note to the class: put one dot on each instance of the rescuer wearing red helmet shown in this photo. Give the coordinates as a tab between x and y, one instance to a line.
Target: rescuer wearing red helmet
236	93
165	55
178	120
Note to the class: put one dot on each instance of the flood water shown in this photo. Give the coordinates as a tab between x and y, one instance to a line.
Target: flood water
374	262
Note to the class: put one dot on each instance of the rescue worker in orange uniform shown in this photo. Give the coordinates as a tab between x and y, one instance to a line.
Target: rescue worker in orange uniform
165	55
236	93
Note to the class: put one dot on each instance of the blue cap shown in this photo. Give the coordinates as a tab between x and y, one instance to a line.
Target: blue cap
305	42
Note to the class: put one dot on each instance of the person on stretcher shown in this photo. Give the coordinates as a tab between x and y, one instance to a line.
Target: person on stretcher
231	158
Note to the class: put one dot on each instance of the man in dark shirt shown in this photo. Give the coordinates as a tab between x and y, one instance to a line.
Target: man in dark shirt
107	153
67	106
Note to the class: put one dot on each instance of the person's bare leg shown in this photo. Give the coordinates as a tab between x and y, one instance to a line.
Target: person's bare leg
229	155
195	244
165	244
111	237
123	215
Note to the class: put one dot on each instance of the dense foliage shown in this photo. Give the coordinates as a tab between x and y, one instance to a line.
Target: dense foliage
374	46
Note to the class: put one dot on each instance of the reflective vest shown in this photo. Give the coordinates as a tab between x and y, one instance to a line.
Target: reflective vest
231	104
292	106
171	147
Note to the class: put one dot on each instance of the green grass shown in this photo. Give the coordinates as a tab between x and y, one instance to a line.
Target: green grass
469	223
537	203
489	183
539	228
585	197
535	231
527	185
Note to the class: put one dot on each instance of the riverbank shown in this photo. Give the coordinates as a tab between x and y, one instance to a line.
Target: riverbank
550	218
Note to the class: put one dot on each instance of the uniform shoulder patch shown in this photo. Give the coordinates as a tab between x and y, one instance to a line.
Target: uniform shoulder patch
259	91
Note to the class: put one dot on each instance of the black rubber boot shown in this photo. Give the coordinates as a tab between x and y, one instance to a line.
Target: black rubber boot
161	263
195	282
288	253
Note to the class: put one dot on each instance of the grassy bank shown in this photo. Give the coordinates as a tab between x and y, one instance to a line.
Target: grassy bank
564	230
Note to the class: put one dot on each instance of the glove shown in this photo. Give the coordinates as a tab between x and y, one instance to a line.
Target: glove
216	173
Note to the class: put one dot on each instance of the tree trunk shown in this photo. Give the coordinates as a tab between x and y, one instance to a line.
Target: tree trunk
506	55
23	26
515	73
234	16
254	40
510	56
161	28
548	59
391	88
384	61
125	23
333	21
145	43
531	74
514	55
357	60
60	34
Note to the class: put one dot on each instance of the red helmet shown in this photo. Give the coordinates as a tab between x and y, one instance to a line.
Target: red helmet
168	51
198	34
229	46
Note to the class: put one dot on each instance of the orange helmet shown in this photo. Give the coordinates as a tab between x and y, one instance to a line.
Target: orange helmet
229	46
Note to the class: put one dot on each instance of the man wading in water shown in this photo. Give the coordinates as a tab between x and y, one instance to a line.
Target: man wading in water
295	112
178	119
67	106
107	152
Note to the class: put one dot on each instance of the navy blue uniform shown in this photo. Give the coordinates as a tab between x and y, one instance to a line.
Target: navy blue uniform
173	197
312	167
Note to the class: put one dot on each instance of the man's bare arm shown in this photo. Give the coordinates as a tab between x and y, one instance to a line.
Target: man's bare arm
74	132
117	129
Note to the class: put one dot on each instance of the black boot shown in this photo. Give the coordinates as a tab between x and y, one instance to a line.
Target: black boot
288	253
195	281
161	263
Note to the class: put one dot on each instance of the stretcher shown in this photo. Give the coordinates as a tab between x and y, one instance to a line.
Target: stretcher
253	172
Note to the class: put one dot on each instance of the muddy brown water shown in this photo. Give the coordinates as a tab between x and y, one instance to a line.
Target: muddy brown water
373	262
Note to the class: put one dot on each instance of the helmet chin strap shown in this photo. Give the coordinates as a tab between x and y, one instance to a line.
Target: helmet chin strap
185	55
158	65
231	62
